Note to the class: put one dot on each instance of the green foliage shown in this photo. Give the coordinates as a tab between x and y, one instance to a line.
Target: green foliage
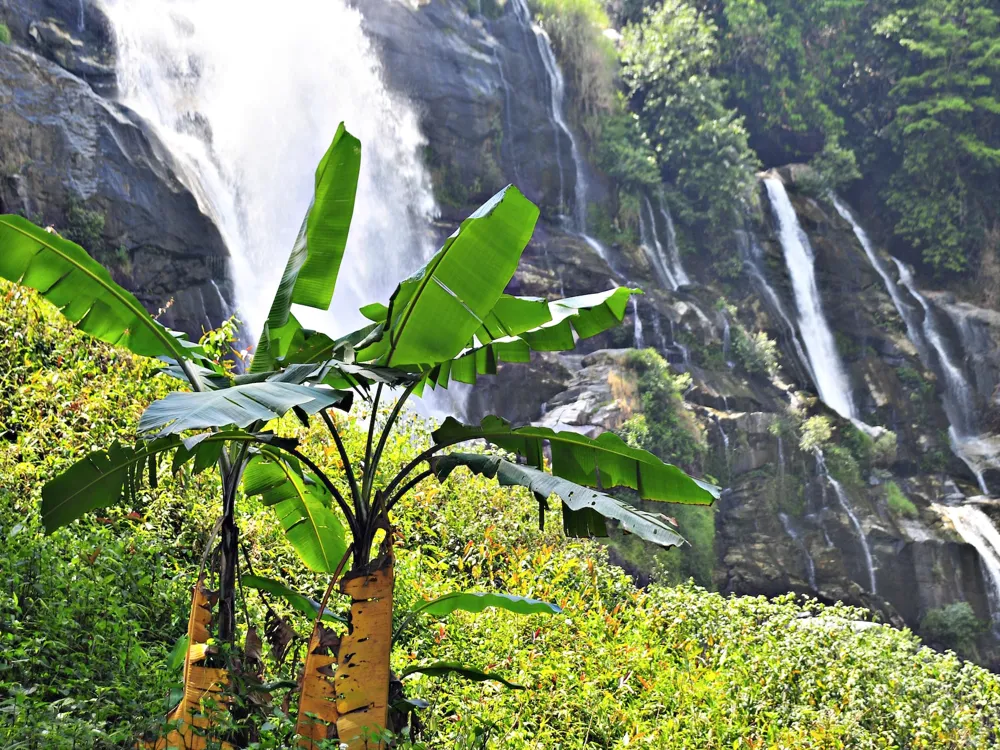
586	56
756	351
85	227
899	503
953	626
4	34
667	69
816	433
664	427
88	615
947	106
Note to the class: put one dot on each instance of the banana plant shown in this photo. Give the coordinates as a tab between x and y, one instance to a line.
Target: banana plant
448	322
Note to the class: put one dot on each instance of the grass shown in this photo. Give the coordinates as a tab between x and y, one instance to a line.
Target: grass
88	615
898	502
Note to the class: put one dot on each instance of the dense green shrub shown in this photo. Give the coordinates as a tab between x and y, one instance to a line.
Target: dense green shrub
4	34
89	614
898	502
756	351
953	626
816	433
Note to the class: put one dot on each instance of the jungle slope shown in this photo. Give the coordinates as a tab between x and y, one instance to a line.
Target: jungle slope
88	615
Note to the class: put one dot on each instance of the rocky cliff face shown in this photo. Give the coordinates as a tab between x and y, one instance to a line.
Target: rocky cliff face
789	520
822	516
75	160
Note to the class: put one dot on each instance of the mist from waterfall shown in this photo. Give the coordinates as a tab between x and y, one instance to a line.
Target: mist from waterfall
825	363
248	124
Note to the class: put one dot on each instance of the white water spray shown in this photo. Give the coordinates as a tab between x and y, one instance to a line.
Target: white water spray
638	340
975	527
827	367
249	109
673	251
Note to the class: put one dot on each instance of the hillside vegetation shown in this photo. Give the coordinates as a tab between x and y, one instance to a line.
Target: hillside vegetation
89	615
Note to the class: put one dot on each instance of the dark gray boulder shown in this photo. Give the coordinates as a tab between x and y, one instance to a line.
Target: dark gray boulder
73	160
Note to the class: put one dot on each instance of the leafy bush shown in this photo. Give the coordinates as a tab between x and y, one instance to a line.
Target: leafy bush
668	667
953	626
4	34
898	502
85	227
815	433
756	351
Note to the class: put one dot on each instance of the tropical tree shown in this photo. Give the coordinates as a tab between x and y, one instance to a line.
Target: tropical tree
449	321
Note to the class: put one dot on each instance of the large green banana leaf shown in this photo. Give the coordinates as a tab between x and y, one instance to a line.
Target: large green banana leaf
603	462
434	313
562	322
303	506
240	405
650	526
83	290
104	477
310	275
474	601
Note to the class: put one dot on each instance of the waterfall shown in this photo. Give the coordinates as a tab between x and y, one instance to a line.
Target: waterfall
976	529
825	363
81	19
800	543
673	252
508	136
845	504
560	128
637	338
247	99
751	252
958	395
725	442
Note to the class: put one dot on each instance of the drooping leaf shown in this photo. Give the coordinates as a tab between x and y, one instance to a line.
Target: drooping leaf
652	527
443	668
603	462
178	654
305	605
240	405
104	477
434	313
83	290
303	506
563	322
310	275
477	602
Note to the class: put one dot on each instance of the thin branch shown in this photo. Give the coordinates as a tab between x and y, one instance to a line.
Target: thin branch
348	469
384	437
333	581
369	475
419	460
351	521
409	486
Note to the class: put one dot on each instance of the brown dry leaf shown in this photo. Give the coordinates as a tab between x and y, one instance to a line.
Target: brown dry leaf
203	698
318	699
279	635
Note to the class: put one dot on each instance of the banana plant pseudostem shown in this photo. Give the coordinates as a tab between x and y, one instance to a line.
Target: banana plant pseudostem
449	321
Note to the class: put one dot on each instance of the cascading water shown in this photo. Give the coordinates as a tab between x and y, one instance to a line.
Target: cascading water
925	333
651	246
248	128
826	365
560	128
673	251
751	252
638	341
81	19
845	504
976	529
725	442
786	522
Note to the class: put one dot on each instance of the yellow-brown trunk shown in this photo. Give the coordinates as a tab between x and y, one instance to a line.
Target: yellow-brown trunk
203	698
362	676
